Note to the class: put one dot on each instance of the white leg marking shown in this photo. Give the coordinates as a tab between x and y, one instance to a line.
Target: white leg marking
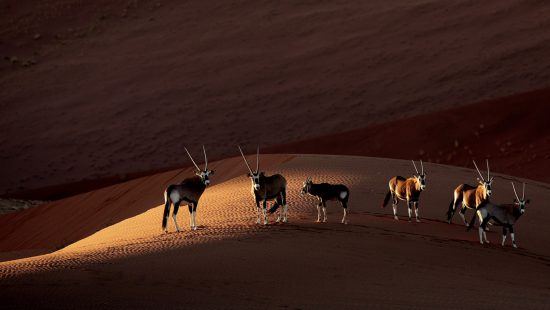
175	222
463	218
265	216
410	212
394	206
513	240
324	215
318	213
503	239
344	218
285	213
194	220
480	230
485	236
416	213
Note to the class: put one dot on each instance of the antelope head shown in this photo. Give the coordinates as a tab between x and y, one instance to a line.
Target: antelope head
520	202
420	176
486	183
254	175
307	185
204	174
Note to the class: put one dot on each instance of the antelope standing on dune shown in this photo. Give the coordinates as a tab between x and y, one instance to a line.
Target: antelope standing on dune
325	192
471	197
189	191
266	188
408	190
506	215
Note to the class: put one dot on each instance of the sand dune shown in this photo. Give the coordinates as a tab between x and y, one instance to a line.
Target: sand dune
511	131
120	86
373	260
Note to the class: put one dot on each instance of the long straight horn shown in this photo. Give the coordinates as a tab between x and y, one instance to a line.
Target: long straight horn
415	167
523	195
245	161
205	159
488	170
478	171
516	193
194	163
422	166
258	159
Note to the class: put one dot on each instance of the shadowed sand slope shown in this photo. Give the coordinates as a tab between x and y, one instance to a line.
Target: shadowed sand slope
511	131
120	86
229	260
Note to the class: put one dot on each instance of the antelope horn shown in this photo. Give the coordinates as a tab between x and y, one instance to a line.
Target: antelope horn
516	193
245	161
194	163
258	159
415	167
205	159
422	166
523	195
488	170
478	171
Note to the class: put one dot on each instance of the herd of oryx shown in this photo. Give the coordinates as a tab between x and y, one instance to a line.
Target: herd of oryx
273	188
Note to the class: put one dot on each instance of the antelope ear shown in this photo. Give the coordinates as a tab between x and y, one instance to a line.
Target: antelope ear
262	174
249	175
528	201
211	171
515	200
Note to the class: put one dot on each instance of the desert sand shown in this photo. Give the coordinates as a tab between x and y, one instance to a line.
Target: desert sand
111	252
94	90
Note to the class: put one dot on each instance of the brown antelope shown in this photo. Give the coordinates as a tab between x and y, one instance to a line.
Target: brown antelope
266	188
471	197
408	190
325	192
506	215
189	191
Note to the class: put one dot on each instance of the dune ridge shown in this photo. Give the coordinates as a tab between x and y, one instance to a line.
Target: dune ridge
229	248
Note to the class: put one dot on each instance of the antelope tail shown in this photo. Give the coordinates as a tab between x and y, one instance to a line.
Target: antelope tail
451	209
167	204
386	199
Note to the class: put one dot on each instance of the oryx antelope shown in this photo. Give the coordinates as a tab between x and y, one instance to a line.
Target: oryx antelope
505	215
471	197
408	190
325	192
189	192
266	188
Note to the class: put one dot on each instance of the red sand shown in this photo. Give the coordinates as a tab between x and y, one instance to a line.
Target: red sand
121	86
513	132
232	262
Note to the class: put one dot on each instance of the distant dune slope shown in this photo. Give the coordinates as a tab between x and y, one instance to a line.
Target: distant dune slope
232	261
513	132
116	87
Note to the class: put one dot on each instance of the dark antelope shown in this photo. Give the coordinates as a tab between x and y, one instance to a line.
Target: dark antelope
505	215
266	188
189	191
325	192
471	197
408	190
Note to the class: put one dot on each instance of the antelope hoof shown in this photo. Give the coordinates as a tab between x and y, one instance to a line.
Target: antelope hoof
514	245
278	220
318	221
285	220
396	218
418	221
265	222
324	220
487	241
480	241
